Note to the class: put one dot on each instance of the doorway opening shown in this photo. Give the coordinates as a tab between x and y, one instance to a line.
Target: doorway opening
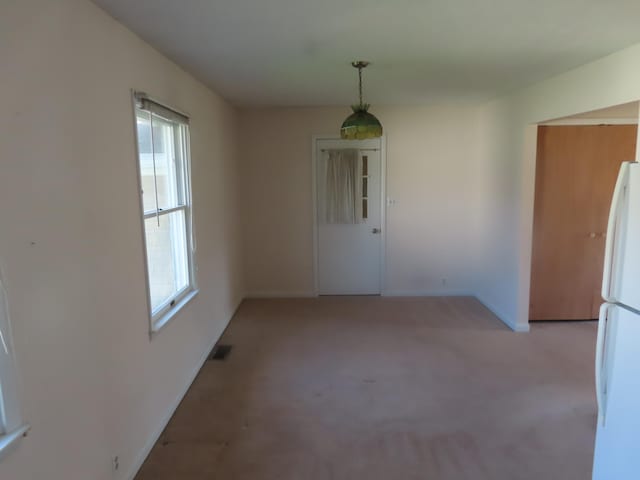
349	216
577	164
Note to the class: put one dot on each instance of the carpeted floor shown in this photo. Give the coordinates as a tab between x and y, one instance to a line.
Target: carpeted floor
385	388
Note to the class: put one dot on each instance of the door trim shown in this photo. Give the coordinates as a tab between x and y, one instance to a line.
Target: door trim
383	207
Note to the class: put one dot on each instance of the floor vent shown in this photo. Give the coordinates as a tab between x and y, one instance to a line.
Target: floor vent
220	352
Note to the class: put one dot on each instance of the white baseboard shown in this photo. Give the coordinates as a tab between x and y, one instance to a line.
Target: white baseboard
434	293
427	293
385	293
144	453
280	295
503	318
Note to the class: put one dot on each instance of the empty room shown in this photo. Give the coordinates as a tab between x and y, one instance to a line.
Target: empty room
333	240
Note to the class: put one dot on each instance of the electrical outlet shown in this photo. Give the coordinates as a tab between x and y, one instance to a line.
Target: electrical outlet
444	282
115	463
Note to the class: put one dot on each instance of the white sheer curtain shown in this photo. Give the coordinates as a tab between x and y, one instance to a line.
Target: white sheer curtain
343	178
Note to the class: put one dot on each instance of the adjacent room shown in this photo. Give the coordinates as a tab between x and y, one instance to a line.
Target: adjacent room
325	240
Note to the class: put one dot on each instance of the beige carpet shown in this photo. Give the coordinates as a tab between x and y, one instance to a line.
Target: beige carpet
385	388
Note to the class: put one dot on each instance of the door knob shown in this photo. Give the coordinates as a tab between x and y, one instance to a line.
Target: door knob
376	230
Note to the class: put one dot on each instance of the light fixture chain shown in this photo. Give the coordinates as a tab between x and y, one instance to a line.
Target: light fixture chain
360	83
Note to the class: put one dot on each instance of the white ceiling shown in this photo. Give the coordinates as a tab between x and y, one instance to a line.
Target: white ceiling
298	52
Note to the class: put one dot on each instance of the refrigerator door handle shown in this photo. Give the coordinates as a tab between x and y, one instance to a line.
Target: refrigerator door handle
616	203
600	343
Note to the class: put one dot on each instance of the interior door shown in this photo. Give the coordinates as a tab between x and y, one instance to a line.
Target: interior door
349	244
576	170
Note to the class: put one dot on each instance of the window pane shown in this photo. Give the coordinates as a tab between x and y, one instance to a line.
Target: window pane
146	160
167	256
168	155
167	163
144	137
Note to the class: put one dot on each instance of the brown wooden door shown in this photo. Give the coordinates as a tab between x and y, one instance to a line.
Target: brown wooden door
576	170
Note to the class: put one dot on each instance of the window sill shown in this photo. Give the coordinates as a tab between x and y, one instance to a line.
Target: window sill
12	437
160	323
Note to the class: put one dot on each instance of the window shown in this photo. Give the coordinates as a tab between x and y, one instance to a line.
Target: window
11	426
163	160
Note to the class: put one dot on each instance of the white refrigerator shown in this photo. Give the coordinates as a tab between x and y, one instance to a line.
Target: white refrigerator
617	448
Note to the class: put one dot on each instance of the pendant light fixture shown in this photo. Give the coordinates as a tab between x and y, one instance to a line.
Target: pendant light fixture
360	124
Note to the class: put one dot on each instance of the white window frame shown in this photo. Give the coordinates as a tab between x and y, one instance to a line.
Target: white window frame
12	428
165	312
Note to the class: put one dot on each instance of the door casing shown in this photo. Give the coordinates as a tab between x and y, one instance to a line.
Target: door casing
340	143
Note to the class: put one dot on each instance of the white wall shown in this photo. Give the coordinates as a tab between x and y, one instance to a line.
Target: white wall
433	231
93	384
508	157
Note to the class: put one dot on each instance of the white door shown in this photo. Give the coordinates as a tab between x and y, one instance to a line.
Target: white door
622	252
616	454
349	216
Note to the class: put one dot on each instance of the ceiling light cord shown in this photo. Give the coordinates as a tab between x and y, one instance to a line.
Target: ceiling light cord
360	82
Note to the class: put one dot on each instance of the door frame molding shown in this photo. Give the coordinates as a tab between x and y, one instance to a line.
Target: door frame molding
383	205
531	158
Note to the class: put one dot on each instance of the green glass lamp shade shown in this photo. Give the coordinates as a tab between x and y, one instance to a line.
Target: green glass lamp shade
361	125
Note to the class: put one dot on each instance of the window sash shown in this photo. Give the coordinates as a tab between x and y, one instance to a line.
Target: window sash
170	303
158	316
178	260
165	211
166	170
